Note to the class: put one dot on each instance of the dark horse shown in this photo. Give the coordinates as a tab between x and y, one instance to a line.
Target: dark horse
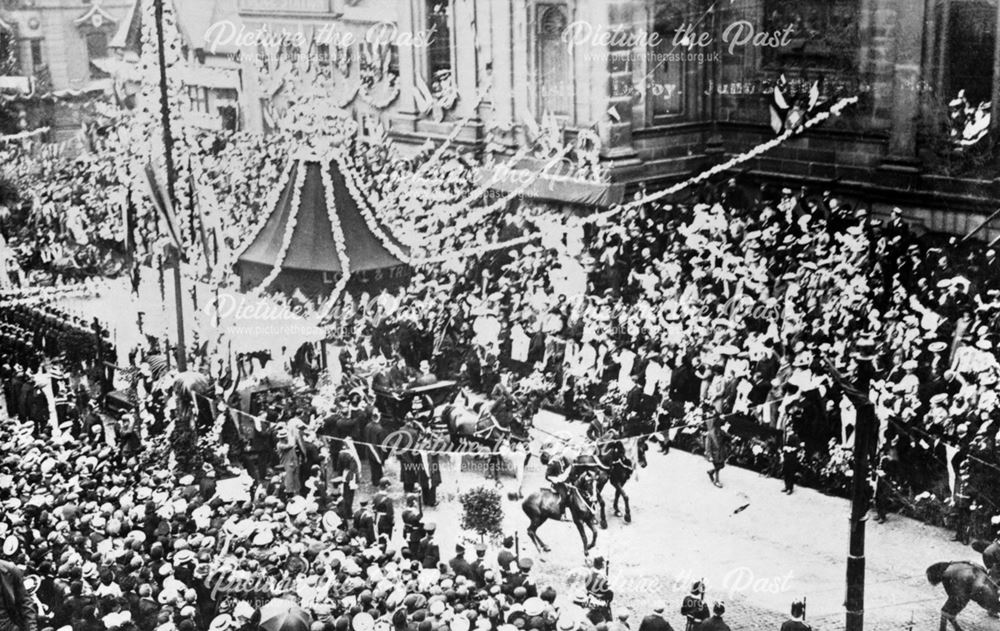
502	437
991	555
963	581
546	504
619	470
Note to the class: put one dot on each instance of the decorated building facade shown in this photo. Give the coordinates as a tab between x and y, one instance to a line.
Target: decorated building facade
646	92
56	42
51	54
210	75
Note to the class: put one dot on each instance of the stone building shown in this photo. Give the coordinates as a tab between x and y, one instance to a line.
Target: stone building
210	74
50	56
656	88
57	41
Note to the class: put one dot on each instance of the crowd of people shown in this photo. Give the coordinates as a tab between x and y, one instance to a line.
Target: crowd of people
747	314
748	323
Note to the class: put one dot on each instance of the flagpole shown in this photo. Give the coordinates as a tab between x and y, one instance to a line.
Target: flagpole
168	147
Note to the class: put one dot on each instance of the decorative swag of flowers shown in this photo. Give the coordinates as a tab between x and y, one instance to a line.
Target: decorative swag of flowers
148	121
270	204
371	221
286	240
339	241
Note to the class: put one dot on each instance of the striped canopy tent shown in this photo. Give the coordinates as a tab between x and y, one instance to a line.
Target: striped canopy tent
310	210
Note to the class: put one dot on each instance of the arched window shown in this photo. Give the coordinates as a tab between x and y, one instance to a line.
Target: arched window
664	63
555	78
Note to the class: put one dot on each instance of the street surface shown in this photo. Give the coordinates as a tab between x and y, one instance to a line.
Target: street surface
757	560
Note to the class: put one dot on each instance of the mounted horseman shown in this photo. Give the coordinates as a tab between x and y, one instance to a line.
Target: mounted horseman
618	470
572	478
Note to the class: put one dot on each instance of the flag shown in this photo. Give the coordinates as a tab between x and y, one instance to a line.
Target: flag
197	211
128	220
163	204
529	122
353	451
814	95
423	96
551	125
777	123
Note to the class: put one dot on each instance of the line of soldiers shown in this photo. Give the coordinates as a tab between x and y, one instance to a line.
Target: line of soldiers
695	610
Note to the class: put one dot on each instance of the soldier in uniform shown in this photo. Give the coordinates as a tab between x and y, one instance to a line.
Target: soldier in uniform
460	566
412	524
384	511
364	522
479	565
428	553
568	472
374	434
797	621
715	621
790	457
349	469
506	556
521	578
962	502
693	607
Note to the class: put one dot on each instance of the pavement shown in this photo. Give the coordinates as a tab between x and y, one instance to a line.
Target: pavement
756	548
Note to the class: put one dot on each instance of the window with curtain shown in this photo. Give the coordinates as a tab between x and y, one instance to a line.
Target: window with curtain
555	76
665	75
439	45
972	26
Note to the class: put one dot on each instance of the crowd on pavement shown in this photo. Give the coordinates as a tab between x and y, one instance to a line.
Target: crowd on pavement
753	323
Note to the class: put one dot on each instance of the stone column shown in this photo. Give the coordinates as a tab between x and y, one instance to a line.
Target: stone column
465	56
616	128
408	22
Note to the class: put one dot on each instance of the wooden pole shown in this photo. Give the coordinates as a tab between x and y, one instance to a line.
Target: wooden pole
855	604
168	147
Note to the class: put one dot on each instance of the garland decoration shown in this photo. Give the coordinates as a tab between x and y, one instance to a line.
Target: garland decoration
339	241
270	204
436	156
473	196
478	214
286	240
835	110
370	220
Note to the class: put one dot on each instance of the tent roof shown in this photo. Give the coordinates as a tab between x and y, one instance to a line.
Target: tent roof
312	247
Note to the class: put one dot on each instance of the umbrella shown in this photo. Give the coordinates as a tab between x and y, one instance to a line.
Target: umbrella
284	615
